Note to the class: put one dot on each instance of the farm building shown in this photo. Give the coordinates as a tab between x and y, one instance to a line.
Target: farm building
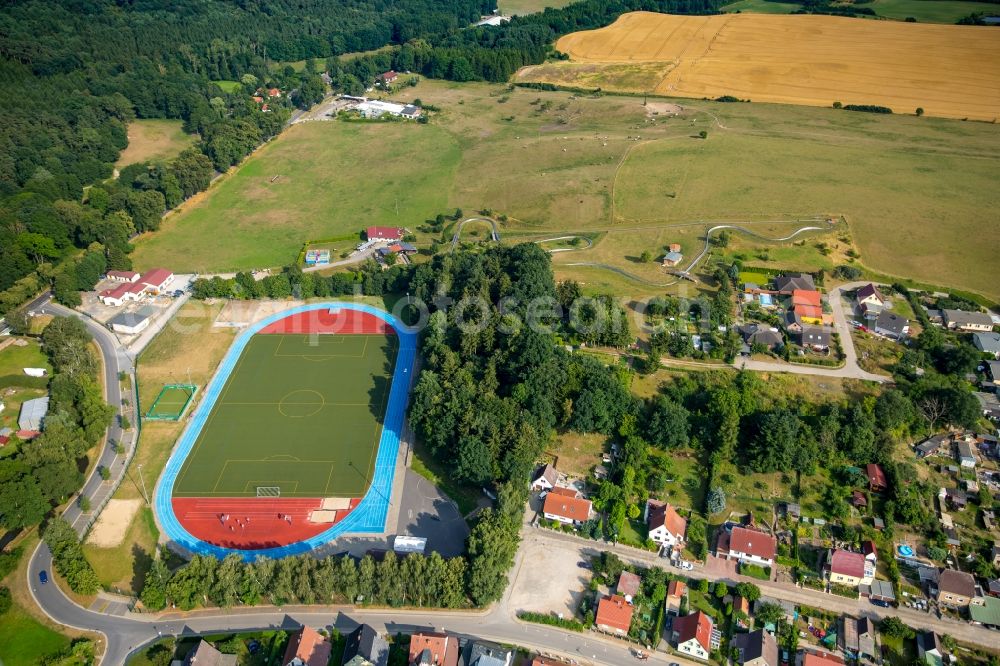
387	234
32	413
375	108
671	259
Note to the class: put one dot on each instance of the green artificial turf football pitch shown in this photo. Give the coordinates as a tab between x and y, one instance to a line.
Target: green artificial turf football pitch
302	413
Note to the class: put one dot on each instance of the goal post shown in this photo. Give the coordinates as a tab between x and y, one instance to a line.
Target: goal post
268	491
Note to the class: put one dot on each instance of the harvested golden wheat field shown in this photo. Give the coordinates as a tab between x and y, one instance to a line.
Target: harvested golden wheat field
948	70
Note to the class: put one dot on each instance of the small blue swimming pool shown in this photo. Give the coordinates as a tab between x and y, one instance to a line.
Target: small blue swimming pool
766	299
905	551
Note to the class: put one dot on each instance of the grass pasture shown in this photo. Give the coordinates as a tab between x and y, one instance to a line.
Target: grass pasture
150	140
930	11
521	7
332	179
761	7
311	427
229	86
801	59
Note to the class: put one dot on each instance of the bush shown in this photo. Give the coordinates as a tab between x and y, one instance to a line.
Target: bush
867	108
844	591
5	601
551	620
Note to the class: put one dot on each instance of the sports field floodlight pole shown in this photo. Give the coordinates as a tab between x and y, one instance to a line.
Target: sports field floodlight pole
143	482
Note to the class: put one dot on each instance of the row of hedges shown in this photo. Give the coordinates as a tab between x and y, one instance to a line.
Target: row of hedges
552	620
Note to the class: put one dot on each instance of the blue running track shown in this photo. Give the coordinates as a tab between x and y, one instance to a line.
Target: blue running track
369	516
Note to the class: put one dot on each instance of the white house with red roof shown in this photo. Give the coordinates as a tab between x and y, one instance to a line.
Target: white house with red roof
749	546
614	615
153	282
566	508
666	527
692	634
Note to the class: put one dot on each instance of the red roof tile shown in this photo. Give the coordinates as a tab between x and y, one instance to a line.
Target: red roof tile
676	588
665	515
442	649
821	659
614	612
565	492
388	233
155	277
846	563
697	625
876	476
309	646
573	508
805	297
752	542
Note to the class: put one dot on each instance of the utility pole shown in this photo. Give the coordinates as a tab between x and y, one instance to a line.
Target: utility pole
143	482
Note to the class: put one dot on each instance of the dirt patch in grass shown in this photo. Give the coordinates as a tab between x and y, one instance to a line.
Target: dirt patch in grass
576	453
151	140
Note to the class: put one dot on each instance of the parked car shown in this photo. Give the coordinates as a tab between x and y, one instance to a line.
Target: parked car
583	564
685	565
43	577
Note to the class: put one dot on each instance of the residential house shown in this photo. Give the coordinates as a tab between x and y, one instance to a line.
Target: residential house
859	499
857	638
758	648
870	551
384	233
307	648
761	335
676	590
628	585
964	453
786	284
387	77
963	320
814	658
986	611
993	587
33	413
741	612
931	446
996	553
674	247
891	325
273	92
930	650
482	653
807	306
956	498
433	649
750	546
692	635
666	527
876	478
848	568
988	343
816	338
993	375
956	589
565	509
545	478
614	615
205	654
871	295
364	647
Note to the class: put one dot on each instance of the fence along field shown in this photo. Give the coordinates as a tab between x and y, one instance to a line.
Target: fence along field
947	70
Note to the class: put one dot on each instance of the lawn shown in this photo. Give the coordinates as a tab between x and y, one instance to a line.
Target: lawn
228	86
761	7
151	140
323	401
125	567
518	7
13	358
24	640
555	163
930	11
318	180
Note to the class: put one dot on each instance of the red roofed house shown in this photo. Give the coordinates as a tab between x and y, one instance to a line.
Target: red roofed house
675	593
387	77
870	295
307	648
751	546
810	658
666	527
614	615
273	92
565	509
851	569
628	585
384	233
806	305
123	276
876	478
692	634
433	649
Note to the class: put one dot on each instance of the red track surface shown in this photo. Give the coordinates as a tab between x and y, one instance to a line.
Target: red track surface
266	527
344	322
